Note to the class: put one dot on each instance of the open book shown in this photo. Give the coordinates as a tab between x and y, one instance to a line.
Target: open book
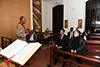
21	50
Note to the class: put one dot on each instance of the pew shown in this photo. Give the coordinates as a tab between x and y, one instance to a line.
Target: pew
54	35
92	54
96	34
40	36
95	37
41	39
93	51
93	41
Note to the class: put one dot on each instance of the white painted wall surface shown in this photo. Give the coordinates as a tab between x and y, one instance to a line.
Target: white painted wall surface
73	10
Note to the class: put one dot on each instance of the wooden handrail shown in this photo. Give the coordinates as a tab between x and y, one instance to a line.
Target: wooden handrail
75	55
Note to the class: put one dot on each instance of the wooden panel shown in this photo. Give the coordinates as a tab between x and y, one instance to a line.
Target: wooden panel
7	8
16	10
93	15
17	1
10	12
26	2
7	22
1	24
1	8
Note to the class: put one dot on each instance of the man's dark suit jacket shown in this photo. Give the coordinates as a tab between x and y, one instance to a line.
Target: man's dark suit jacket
35	37
69	34
62	42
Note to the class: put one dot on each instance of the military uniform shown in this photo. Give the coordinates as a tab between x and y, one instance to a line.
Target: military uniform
20	32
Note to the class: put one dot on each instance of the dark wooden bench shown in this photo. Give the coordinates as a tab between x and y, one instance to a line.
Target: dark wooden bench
92	54
93	51
96	34
93	42
54	35
5	41
41	38
95	37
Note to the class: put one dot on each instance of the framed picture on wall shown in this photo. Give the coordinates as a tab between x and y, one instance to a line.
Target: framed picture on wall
66	24
80	23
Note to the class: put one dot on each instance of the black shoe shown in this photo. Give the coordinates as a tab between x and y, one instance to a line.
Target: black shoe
27	64
64	65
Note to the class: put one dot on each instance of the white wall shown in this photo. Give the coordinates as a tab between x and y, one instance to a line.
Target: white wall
71	15
74	15
46	15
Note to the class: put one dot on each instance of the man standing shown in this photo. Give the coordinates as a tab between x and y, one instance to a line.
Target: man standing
21	32
60	44
70	33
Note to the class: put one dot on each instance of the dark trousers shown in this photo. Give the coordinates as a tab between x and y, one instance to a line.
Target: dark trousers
78	60
47	40
56	54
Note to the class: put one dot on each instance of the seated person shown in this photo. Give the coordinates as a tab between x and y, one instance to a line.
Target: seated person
70	33
60	44
46	36
77	28
32	37
89	32
76	46
86	36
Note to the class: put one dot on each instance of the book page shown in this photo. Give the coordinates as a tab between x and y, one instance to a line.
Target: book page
13	48
23	56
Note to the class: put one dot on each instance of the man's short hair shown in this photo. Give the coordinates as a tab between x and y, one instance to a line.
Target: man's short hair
71	28
21	18
63	30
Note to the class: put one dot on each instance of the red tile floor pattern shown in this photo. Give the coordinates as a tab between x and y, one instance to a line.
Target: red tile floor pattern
42	57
